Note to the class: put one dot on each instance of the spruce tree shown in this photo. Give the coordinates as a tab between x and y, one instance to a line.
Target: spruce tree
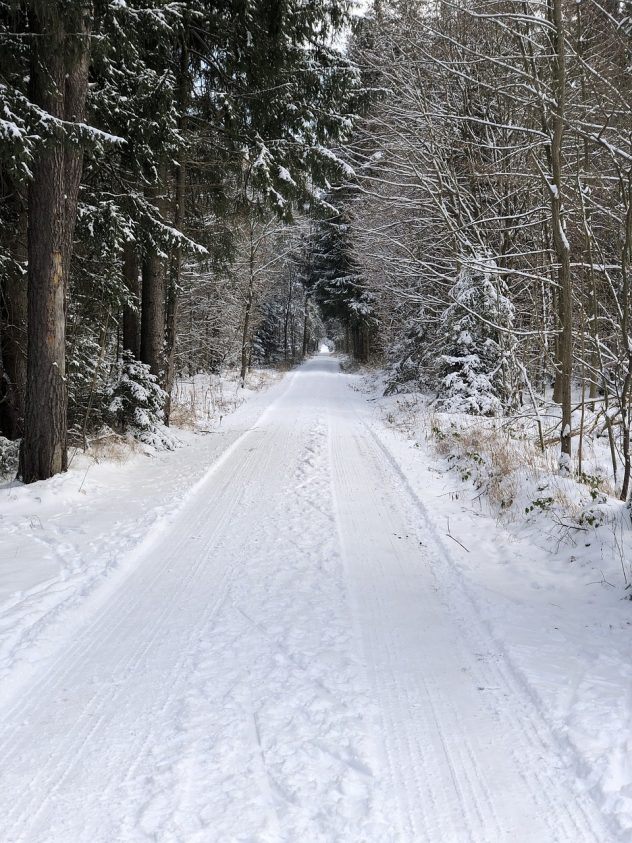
476	370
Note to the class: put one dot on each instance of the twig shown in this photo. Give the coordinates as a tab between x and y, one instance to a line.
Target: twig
602	581
450	536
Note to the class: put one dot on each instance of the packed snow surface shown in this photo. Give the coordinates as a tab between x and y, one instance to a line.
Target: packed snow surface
291	654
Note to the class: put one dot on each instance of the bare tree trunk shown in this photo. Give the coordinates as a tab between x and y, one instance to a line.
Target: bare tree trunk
178	222
14	306
286	318
131	320
562	249
154	291
170	340
174	288
59	85
625	444
152	337
558	382
305	326
626	396
245	338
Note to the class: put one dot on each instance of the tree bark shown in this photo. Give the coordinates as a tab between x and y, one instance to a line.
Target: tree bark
154	291
14	305
562	249
171	327
305	327
286	318
178	222
152	342
245	339
131	321
626	391
59	85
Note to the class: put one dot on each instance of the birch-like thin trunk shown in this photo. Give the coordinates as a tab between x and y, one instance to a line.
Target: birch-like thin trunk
561	245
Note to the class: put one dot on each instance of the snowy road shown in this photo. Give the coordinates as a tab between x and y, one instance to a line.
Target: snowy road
294	661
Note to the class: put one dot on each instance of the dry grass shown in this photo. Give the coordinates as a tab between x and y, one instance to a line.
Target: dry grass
507	464
259	379
409	416
112	447
285	365
194	403
198	402
183	413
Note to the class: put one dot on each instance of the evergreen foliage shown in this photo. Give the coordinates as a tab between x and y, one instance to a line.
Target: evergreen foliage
333	276
476	373
136	402
197	114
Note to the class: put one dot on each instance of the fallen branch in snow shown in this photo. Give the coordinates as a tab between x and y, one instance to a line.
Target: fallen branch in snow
602	581
450	536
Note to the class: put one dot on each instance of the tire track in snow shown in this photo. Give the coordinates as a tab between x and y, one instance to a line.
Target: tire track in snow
487	772
214	695
116	622
585	817
314	748
221	693
100	706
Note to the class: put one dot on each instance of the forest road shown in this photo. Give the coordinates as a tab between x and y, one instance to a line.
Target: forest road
295	661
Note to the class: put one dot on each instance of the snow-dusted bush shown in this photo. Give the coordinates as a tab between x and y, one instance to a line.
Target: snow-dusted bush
9	457
406	359
477	372
136	402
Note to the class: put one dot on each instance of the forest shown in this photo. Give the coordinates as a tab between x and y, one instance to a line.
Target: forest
315	420
441	188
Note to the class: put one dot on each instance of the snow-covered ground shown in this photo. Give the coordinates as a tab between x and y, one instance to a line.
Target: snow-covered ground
269	635
65	538
550	582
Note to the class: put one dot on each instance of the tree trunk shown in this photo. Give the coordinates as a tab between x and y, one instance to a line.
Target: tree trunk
626	391
153	293
562	249
625	434
286	319
131	321
305	327
14	307
170	341
152	338
178	222
59	85
245	343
